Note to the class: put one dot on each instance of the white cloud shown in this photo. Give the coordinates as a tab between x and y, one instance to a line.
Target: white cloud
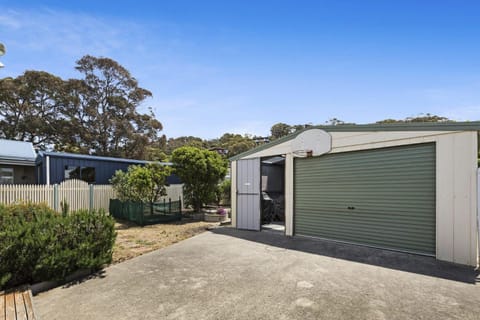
65	32
462	113
53	40
9	20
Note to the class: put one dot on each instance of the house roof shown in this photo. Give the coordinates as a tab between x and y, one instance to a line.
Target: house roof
17	153
410	126
68	155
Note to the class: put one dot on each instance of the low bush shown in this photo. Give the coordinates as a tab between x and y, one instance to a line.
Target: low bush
38	244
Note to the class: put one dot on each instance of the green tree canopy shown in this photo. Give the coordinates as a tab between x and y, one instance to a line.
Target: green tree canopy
191	141
30	108
201	171
334	122
427	117
279	130
95	114
102	109
235	143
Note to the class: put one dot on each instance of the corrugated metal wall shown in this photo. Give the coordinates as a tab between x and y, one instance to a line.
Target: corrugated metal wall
104	170
248	194
381	197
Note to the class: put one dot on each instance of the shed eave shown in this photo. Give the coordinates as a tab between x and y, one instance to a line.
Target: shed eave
413	126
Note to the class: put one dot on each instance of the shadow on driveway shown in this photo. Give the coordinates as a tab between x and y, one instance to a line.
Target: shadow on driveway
378	257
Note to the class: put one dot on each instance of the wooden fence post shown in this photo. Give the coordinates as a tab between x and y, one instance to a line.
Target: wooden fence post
55	197
91	197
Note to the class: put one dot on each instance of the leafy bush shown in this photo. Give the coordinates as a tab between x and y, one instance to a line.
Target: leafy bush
201	171
64	207
141	183
37	244
223	191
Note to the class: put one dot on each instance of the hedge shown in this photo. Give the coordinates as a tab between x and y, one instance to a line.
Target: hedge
37	244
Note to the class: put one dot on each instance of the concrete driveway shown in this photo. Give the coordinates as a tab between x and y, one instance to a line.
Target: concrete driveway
231	274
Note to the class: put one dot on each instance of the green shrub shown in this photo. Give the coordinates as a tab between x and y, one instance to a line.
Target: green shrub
37	244
64	207
141	183
222	193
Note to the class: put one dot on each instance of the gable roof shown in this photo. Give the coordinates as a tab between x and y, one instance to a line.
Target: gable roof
409	126
17	153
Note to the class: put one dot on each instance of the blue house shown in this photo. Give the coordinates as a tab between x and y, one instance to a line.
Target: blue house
55	167
20	164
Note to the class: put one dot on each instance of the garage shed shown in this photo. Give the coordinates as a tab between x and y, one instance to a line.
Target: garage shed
408	187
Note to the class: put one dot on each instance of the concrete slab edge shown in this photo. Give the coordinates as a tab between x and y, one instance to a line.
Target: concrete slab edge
48	285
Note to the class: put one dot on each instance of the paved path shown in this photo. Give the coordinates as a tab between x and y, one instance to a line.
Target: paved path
231	274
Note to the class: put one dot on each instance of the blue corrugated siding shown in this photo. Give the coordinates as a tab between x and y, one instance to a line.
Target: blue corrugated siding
104	170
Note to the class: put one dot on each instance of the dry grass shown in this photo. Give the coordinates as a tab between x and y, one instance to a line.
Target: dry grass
133	240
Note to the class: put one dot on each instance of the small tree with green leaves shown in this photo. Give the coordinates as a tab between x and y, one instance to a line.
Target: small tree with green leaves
279	130
201	171
222	192
141	183
119	182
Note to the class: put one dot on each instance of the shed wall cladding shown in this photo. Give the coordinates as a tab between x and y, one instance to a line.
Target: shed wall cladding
104	170
382	197
248	194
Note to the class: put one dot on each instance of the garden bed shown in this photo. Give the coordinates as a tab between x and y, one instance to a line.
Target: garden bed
133	240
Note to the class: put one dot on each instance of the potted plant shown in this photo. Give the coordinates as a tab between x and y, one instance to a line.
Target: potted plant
219	215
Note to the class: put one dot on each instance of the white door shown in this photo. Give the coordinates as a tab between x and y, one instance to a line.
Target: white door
248	194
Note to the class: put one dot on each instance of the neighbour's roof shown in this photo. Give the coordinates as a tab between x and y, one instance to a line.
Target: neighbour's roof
17	152
68	155
409	126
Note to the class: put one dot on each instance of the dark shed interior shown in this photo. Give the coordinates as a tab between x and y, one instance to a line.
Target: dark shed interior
273	190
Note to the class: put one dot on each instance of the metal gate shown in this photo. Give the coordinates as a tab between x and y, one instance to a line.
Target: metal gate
248	194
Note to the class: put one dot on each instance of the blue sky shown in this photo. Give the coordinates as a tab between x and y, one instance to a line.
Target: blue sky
242	66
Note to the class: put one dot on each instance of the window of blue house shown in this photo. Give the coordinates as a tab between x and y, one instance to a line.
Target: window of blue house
72	172
86	174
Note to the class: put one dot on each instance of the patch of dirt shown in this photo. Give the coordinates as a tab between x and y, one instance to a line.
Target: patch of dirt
133	240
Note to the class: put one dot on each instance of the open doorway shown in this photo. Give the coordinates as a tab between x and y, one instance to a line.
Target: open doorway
273	194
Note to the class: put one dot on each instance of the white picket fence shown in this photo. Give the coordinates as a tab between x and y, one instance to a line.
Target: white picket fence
77	193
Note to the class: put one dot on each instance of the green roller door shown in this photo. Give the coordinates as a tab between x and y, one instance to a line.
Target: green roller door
381	197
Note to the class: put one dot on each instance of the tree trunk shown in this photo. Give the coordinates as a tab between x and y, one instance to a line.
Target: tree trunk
197	206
